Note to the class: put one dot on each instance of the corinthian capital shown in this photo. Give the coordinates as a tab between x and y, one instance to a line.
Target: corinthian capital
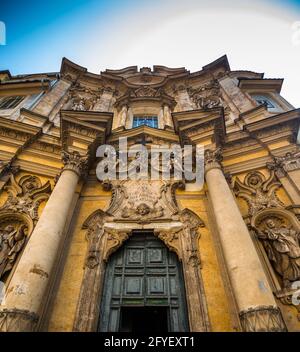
75	162
212	159
282	164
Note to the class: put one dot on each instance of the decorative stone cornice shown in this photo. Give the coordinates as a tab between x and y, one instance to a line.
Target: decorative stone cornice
75	162
262	319
17	320
212	159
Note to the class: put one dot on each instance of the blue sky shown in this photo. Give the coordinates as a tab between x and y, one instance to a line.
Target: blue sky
100	34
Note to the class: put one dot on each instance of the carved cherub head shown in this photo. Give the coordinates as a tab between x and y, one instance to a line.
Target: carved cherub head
270	223
143	209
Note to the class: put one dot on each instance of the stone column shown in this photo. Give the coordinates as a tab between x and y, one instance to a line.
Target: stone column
27	290
257	307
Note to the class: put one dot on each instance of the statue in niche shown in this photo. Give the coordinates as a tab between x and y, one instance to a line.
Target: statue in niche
12	240
282	247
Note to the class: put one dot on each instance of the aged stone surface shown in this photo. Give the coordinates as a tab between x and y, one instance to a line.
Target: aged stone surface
283	164
53	256
17	320
75	162
279	232
262	319
12	240
259	192
26	195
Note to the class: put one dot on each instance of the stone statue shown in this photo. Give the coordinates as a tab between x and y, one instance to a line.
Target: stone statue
11	242
282	247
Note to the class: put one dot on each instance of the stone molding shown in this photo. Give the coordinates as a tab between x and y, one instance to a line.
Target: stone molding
17	320
262	319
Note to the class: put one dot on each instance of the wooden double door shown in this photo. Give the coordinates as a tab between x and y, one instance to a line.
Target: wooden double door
143	290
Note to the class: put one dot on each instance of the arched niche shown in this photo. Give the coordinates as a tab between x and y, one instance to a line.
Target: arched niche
15	229
278	230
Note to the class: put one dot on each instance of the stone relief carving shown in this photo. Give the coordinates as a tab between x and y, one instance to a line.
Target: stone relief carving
279	232
206	97
83	98
107	231
75	161
281	240
12	240
143	200
26	195
142	211
283	164
259	192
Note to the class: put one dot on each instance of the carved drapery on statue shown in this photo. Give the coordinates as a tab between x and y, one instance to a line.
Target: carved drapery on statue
279	230
17	217
148	204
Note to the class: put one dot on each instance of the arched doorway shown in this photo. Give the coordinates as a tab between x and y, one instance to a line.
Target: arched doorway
143	289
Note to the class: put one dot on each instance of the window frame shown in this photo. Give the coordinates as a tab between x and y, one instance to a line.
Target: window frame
150	118
11	102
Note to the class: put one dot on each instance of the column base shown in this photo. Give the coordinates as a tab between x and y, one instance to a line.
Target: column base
17	320
262	319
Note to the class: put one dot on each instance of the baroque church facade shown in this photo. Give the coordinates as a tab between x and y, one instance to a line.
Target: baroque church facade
79	254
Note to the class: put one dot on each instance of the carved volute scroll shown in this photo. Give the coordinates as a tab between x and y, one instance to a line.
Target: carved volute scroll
258	191
75	162
26	195
107	231
18	215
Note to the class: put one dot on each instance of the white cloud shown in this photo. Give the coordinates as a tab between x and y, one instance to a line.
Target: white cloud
256	36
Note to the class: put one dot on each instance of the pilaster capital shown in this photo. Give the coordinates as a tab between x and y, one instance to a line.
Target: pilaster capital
75	162
283	164
212	159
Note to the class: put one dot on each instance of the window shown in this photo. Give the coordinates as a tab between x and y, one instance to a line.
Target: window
10	102
263	100
150	121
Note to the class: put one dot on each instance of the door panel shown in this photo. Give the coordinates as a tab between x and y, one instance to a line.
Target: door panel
143	273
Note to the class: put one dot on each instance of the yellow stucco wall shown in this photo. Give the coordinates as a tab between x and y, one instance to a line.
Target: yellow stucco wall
64	309
218	305
63	312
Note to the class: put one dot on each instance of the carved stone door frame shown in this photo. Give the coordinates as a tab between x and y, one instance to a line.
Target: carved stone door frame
105	236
